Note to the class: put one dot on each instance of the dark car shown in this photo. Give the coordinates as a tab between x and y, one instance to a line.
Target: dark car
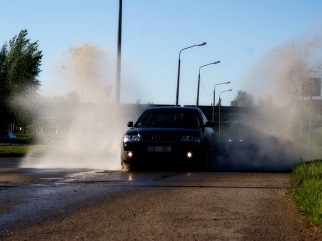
174	136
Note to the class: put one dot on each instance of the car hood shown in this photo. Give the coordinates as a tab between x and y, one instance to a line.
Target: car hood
177	131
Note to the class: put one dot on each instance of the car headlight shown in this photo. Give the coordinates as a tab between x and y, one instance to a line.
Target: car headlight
131	138
190	138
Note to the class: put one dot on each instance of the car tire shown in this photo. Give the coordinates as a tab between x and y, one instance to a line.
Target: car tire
127	166
124	166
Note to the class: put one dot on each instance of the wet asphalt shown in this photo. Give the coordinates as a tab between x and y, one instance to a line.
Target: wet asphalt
32	196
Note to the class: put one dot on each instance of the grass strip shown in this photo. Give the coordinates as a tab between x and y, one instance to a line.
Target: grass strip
22	150
306	191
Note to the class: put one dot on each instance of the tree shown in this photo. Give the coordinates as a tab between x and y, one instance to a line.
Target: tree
243	99
219	102
20	63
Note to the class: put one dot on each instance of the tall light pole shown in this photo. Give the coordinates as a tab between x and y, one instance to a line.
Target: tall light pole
197	102
214	100
118	65
178	79
219	111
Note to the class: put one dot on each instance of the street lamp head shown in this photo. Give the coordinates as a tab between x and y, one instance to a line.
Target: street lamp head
222	83
217	62
178	79
204	43
224	91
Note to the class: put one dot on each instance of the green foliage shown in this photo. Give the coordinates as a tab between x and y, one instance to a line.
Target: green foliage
20	63
307	189
219	102
14	150
243	99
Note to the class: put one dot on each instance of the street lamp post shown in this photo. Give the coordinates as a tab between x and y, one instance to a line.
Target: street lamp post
219	111
179	61
197	102
118	64
214	100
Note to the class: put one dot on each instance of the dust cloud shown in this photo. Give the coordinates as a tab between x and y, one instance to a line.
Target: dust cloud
84	130
276	133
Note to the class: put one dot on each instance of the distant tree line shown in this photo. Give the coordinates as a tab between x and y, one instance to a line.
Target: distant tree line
243	99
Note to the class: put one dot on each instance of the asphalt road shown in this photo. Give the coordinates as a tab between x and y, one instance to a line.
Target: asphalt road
84	204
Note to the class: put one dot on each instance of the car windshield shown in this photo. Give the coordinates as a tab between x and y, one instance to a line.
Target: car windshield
169	118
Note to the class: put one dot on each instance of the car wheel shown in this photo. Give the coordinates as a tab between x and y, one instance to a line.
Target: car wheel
127	166
124	166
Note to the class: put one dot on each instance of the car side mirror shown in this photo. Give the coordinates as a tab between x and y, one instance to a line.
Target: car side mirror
207	124
130	124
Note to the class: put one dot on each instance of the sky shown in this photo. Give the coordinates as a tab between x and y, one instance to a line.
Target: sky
238	33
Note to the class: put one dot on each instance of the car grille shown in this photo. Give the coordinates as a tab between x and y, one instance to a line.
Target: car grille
159	138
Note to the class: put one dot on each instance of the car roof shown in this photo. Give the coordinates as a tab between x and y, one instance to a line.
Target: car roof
173	108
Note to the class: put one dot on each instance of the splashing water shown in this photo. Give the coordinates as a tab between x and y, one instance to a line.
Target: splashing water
91	131
94	125
278	80
279	124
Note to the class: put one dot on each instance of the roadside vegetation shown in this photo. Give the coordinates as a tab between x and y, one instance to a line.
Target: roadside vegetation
306	177
23	145
18	150
307	189
16	147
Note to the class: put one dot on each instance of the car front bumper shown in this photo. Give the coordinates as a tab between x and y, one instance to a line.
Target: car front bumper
161	153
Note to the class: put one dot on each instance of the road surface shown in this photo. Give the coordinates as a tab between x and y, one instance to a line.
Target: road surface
84	204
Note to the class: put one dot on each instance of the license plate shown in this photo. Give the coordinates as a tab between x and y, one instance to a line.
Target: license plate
159	148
